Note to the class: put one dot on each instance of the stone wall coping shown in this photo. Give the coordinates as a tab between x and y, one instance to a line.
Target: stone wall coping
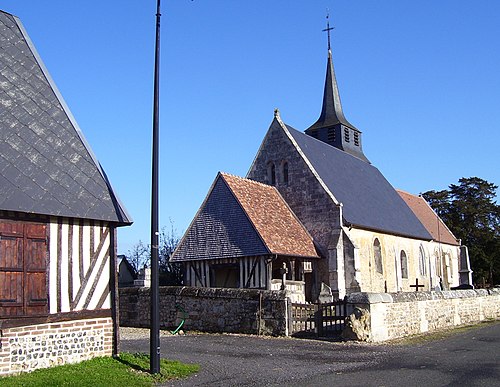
378	298
189	291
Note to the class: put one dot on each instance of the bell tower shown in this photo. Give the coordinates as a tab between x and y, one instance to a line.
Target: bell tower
332	127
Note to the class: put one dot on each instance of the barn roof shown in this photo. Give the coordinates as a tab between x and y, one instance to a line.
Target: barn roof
46	165
241	217
369	201
431	221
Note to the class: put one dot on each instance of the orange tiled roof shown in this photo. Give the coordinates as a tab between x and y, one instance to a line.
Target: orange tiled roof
275	222
431	221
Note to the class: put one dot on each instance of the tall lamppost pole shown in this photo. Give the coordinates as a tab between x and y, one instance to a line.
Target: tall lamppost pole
155	311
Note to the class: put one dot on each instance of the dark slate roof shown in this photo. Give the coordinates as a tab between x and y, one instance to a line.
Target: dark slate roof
331	110
369	201
431	221
241	218
46	166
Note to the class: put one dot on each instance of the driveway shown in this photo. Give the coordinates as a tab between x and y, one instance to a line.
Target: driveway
467	358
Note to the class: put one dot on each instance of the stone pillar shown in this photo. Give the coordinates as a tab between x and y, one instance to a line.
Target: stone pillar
464	270
336	264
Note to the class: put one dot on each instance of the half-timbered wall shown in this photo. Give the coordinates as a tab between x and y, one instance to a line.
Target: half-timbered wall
79	268
253	272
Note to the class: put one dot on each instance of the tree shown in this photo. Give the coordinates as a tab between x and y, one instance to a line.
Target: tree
140	257
470	211
171	273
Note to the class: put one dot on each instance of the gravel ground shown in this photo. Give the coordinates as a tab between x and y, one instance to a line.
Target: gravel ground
468	358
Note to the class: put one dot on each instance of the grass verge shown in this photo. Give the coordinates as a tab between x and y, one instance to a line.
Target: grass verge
128	369
439	335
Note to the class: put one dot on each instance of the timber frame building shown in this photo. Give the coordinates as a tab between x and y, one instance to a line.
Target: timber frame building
58	221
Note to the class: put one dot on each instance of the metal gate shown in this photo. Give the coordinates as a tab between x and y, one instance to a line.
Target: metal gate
320	320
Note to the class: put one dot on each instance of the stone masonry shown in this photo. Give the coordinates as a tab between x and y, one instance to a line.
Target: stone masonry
209	309
395	315
24	349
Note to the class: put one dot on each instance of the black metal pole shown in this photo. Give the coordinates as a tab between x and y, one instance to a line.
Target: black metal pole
155	300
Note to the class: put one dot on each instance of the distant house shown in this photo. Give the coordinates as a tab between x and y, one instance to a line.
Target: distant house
126	273
58	222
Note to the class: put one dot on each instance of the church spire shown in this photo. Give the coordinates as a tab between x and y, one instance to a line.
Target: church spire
332	127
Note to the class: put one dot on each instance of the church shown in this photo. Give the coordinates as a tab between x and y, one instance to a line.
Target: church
314	216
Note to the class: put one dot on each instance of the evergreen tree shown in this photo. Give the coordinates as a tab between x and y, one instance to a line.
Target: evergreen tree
470	210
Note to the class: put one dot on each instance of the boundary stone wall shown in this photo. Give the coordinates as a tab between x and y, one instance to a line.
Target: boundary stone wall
209	309
395	315
24	349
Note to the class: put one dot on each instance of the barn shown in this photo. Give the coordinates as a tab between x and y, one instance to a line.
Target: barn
58	221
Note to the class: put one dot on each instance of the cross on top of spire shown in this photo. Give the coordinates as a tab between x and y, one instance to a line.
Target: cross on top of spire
328	28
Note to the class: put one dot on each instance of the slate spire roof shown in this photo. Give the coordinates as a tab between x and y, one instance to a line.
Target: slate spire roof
331	110
46	165
241	218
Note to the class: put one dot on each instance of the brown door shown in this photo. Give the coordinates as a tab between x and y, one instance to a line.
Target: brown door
23	266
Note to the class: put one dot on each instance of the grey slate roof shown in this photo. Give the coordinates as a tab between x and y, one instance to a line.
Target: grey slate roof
220	229
331	110
369	200
46	166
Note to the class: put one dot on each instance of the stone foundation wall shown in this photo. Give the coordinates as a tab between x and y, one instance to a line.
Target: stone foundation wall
209	309
27	348
394	315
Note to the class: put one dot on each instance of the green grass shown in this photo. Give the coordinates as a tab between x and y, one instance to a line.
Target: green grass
128	370
439	335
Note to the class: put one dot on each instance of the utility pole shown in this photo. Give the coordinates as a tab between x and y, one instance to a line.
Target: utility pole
155	299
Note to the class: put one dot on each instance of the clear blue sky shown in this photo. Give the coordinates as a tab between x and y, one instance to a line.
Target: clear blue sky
420	79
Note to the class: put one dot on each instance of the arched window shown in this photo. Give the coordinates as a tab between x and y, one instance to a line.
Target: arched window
285	173
271	173
377	254
421	261
404	264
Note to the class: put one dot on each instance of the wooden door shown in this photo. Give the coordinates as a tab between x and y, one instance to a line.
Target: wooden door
23	266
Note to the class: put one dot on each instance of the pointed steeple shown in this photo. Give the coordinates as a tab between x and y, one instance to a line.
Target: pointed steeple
332	127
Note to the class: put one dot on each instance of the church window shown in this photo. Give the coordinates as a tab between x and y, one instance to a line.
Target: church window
285	173
421	261
356	138
271	173
377	253
346	134
331	135
404	264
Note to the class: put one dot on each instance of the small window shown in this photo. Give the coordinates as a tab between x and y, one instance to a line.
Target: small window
346	134
285	173
331	135
404	265
421	261
356	138
271	173
377	253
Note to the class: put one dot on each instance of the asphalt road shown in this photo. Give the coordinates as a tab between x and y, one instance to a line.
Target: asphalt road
466	358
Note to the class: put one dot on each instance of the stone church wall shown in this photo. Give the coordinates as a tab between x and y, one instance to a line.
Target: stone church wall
391	280
209	309
303	193
395	315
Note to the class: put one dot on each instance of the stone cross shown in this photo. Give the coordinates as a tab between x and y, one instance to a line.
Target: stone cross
416	286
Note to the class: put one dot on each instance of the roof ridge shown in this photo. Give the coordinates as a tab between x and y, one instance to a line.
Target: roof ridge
248	180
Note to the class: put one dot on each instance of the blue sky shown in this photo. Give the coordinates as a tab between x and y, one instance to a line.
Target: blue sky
420	79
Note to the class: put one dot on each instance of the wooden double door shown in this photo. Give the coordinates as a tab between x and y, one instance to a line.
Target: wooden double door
23	269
